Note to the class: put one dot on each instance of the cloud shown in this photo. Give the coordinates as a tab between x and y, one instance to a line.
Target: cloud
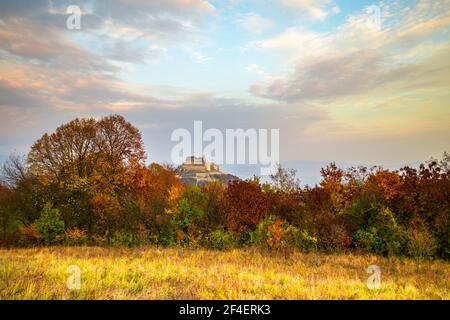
127	29
312	9
20	125
171	20
18	96
400	57
20	39
336	9
39	86
254	23
198	56
254	68
133	51
297	39
336	76
22	8
324	78
45	66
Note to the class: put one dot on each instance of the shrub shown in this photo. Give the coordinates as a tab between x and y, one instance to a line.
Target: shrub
390	231
107	212
50	227
246	239
274	233
191	216
302	239
378	229
99	240
167	227
331	232
369	240
221	240
259	236
443	239
11	233
123	238
29	235
191	208
76	237
244	205
271	233
142	235
420	243
277	235
213	192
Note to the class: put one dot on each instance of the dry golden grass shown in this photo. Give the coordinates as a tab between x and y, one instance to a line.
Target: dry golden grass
152	273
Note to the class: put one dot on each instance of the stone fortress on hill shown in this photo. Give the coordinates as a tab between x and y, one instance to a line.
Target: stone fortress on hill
197	171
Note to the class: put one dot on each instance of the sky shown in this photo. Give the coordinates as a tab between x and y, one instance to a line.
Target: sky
356	82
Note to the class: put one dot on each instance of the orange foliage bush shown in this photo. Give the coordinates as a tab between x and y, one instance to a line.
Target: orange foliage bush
76	237
276	232
386	183
244	205
29	234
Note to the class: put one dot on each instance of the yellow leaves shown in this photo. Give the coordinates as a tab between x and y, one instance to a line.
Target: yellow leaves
337	200
175	192
29	233
106	209
388	183
76	236
75	183
276	234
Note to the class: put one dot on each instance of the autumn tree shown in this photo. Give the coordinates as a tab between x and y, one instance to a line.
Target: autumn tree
156	190
72	147
119	140
87	162
333	185
244	205
26	194
82	144
214	192
284	194
285	180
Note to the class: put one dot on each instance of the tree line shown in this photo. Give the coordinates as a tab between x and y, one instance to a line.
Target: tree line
87	184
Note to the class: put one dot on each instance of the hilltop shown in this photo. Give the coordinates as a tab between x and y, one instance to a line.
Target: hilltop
197	171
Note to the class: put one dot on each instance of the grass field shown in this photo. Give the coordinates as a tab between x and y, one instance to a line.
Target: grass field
152	273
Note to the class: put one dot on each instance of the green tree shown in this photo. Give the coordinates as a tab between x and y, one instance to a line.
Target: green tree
50	226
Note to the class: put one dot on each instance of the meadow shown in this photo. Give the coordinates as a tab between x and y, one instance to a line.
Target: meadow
171	273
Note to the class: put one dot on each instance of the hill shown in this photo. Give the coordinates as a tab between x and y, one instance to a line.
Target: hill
197	171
